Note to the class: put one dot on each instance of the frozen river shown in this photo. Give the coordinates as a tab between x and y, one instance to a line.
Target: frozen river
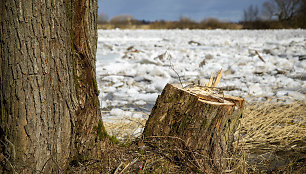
133	66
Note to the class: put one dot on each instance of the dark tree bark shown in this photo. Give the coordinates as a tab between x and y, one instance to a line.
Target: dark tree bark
197	129
48	94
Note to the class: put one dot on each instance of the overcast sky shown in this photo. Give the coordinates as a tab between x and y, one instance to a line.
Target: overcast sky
230	10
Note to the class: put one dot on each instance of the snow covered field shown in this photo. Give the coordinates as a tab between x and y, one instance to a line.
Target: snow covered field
133	66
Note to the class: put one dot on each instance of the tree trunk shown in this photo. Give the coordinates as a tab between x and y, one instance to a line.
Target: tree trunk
48	94
196	127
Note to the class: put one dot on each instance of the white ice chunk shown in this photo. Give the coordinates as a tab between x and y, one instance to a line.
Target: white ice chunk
140	102
296	95
256	89
117	112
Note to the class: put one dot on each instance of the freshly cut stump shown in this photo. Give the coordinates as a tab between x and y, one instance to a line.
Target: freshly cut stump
194	127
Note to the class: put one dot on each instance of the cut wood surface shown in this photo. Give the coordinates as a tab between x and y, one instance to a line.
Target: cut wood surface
196	120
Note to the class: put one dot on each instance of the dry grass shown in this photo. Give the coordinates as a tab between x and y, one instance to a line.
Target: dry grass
270	139
274	124
125	128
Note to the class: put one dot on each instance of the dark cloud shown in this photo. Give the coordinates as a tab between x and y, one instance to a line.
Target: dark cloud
173	9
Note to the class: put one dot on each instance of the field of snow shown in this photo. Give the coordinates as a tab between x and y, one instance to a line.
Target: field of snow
133	66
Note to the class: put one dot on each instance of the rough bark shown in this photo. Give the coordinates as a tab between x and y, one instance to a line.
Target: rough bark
187	121
84	40
48	94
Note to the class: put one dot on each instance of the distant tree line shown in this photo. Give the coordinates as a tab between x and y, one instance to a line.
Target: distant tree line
276	14
127	21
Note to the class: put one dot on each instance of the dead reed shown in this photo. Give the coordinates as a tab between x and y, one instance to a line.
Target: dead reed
270	138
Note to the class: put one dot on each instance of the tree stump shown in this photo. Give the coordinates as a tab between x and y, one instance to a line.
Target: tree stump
195	126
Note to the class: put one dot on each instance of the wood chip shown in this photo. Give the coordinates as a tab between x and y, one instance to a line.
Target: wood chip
218	78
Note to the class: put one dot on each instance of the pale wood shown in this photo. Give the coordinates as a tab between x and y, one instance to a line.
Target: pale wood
218	78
